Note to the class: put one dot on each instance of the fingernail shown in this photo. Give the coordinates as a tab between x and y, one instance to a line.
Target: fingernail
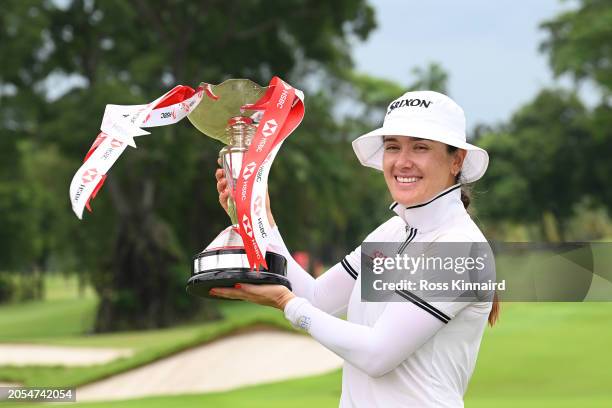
211	292
237	286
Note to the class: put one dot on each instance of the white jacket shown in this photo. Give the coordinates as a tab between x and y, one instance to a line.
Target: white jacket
397	354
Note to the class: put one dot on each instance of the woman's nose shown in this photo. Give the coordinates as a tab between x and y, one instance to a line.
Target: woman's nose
404	160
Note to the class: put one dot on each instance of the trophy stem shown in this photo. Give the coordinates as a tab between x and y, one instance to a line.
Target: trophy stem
231	210
240	132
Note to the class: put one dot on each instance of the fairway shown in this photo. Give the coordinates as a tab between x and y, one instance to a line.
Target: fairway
539	355
37	321
66	319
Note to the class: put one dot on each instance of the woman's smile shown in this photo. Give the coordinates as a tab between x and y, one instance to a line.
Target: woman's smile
407	181
417	169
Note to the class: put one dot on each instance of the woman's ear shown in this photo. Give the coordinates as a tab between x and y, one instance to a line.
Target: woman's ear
458	159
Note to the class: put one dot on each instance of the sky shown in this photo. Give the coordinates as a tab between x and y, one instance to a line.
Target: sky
489	48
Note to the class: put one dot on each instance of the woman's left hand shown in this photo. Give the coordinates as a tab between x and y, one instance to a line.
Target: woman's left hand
268	295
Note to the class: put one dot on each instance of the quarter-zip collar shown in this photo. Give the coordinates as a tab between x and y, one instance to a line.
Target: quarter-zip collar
433	213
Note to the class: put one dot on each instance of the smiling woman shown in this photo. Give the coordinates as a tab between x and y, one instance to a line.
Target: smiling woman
404	352
407	160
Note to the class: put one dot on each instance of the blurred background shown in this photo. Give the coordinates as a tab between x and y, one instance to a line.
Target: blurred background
535	80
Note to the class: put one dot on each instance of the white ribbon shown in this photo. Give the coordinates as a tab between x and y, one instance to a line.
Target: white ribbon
120	124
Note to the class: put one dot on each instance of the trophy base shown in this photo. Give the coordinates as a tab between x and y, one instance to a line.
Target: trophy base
222	266
199	285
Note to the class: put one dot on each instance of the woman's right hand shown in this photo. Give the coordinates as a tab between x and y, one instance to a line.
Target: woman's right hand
222	188
224	193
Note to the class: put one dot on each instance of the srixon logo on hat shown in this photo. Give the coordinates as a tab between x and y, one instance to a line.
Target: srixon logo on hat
415	102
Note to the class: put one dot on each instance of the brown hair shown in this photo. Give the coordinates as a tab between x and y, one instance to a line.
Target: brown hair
466	199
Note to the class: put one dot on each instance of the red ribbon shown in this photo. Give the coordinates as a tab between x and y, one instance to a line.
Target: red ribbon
281	116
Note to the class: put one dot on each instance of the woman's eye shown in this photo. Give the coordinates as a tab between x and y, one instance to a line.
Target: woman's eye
391	148
421	147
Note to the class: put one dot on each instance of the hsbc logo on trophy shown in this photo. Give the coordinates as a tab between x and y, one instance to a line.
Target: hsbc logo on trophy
248	170
89	175
257	206
246	224
114	144
269	128
282	99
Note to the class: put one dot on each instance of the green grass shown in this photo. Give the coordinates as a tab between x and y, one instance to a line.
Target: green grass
41	321
37	321
547	352
148	347
66	319
65	287
319	391
539	355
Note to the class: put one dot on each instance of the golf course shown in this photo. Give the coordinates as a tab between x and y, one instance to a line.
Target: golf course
539	355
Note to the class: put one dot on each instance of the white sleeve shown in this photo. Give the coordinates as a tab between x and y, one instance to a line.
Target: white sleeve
400	330
330	292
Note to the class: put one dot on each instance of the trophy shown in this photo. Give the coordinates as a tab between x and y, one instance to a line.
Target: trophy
233	113
252	121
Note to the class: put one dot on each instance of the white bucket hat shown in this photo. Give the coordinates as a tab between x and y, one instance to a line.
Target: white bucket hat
426	115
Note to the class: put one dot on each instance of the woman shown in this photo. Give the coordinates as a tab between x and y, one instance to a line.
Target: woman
397	354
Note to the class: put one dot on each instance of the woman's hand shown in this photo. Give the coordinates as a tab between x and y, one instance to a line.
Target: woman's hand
224	193
267	295
222	188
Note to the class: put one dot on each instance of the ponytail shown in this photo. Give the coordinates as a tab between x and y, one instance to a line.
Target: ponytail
466	196
466	199
494	313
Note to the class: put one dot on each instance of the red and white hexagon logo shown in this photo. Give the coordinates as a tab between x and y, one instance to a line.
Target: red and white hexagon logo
246	223
257	206
248	170
269	128
89	175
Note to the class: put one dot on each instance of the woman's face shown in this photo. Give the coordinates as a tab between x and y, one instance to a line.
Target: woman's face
418	169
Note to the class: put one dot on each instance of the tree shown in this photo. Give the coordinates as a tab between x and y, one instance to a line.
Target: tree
432	78
538	161
372	95
578	44
148	218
